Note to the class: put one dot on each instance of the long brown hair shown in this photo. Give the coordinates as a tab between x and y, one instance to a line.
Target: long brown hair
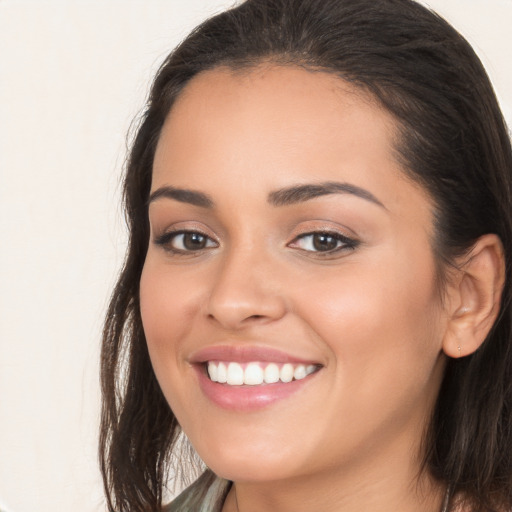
454	142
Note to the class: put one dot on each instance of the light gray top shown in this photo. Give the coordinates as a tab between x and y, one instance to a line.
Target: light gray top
206	494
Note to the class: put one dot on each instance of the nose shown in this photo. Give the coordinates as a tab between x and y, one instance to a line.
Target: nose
246	291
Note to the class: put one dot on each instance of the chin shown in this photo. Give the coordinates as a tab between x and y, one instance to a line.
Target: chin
254	471
251	465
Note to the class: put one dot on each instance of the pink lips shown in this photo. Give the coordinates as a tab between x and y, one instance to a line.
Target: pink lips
246	398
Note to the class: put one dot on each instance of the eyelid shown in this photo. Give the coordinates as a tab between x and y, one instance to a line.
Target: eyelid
159	229
320	225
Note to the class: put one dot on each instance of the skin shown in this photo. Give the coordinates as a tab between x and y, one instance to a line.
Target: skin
372	315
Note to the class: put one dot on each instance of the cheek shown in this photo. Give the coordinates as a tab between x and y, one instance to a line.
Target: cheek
166	313
168	305
381	322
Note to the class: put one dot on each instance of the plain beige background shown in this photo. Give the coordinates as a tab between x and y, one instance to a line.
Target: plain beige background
73	74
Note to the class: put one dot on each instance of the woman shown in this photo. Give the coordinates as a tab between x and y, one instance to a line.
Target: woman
316	288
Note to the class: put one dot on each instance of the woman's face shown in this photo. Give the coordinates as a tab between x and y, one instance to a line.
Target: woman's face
286	243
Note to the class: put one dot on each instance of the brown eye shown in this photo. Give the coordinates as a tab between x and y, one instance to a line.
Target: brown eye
324	242
185	241
193	241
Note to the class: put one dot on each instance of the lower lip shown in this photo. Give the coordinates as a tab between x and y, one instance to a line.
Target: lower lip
248	398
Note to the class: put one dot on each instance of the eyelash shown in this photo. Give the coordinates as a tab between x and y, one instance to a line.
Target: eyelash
343	242
167	238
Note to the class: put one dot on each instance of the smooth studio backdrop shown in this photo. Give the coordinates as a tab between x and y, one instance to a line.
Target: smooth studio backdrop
73	74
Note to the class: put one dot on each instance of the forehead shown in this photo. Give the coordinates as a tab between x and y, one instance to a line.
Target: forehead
299	110
273	80
311	98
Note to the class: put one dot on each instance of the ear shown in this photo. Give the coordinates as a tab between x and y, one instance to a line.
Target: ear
474	297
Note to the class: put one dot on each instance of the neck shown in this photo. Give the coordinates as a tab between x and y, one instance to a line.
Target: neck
244	498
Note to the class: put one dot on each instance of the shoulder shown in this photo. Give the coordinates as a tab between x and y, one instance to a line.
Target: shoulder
206	494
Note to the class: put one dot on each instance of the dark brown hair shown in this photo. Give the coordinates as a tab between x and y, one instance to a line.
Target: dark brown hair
453	141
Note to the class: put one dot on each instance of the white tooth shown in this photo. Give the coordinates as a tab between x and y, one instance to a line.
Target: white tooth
286	373
212	371
300	372
222	373
235	375
253	374
272	373
310	369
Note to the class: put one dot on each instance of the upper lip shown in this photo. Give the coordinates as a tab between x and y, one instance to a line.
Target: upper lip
245	354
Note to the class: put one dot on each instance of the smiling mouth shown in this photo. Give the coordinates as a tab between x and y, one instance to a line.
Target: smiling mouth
257	373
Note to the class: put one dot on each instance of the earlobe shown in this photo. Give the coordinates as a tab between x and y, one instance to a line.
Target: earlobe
475	297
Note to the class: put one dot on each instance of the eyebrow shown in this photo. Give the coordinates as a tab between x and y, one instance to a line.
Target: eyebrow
183	196
282	197
301	193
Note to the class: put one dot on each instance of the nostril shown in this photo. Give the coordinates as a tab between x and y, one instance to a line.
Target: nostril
233	311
